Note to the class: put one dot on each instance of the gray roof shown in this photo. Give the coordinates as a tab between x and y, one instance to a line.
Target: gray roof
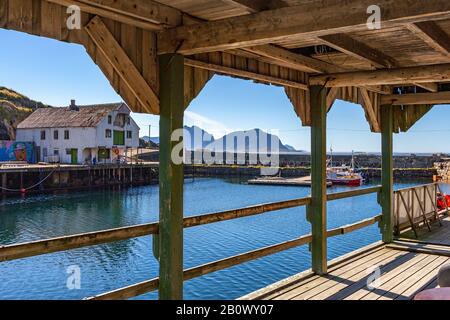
87	116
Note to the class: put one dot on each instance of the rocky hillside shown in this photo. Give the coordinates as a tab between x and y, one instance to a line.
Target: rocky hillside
14	107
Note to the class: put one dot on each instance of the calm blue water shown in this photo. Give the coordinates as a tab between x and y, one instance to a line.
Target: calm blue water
107	267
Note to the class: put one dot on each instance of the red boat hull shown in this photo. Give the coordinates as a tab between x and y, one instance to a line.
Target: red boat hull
350	182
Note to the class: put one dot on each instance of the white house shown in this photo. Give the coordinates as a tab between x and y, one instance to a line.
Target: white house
80	134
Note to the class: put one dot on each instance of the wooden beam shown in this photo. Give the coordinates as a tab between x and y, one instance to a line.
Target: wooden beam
317	211
433	35
432	87
293	60
245	74
399	76
253	6
145	14
123	65
314	19
359	50
171	179
417	98
370	110
331	97
387	177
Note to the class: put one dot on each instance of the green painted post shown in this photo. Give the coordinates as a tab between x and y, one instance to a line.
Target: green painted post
387	176
317	211
170	179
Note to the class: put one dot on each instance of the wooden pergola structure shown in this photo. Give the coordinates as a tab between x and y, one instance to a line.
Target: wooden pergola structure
158	55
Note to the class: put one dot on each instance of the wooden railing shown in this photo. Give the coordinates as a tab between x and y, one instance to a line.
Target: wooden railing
416	207
29	249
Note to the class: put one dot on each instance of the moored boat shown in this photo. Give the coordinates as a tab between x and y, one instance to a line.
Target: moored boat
344	175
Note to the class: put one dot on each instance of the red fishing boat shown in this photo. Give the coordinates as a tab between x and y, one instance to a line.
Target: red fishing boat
344	175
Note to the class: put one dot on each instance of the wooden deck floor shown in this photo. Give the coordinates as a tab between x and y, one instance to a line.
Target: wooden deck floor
403	273
406	267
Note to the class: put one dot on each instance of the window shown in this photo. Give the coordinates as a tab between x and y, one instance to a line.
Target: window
56	152
108	133
128	120
66	135
43	135
109	119
56	134
129	134
68	152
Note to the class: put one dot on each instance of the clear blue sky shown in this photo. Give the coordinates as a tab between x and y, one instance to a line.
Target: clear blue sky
54	72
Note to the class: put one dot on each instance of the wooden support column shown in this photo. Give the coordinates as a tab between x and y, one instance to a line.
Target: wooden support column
317	211
387	176
170	179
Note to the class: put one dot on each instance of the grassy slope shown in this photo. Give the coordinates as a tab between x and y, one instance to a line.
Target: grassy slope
14	108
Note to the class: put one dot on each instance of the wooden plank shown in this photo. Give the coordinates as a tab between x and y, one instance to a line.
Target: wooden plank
171	179
354	226
315	18
371	111
20	15
4	13
433	35
398	76
359	50
145	14
385	282
387	176
331	97
245	74
252	6
417	98
412	276
39	247
337	284
51	20
301	287
317	211
244	212
432	87
293	60
349	284
128	72
152	285
290	283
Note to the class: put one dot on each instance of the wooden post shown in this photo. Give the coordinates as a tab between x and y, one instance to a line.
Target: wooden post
387	176
170	179
317	211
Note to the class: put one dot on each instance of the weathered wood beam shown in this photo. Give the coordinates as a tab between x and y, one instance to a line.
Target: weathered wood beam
398	76
317	211
417	98
170	239
331	97
432	87
245	74
293	60
387	176
359	50
433	35
371	110
123	65
313	20
145	14
253	6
